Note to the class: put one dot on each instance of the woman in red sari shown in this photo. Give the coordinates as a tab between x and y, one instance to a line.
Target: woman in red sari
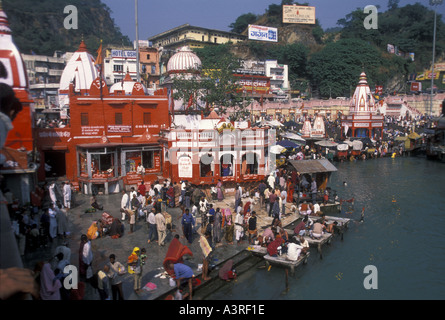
290	191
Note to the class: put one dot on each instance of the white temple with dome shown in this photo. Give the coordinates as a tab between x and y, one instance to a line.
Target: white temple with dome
14	73
184	65
364	120
81	71
127	86
184	62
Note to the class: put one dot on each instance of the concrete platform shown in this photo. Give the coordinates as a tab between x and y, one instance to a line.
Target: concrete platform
153	271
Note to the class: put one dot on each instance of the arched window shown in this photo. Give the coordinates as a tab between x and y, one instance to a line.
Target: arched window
206	165
249	163
226	165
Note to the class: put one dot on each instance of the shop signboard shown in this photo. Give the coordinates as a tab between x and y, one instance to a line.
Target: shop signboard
298	14
262	33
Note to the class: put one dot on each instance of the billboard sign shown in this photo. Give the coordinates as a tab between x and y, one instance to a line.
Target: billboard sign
298	14
263	33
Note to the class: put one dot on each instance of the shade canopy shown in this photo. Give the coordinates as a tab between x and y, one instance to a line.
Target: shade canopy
287	144
326	143
277	149
313	166
293	136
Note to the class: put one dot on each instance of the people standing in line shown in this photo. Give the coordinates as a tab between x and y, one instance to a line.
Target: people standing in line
217	223
66	188
187	196
135	268
177	191
271	181
314	191
207	253
115	272
272	199
238	194
203	206
132	220
62	221
103	283
85	258
239	226
142	188
161	227
228	226
187	222
49	284
151	220
266	199
261	188
252	227
52	223
135	204
220	190
52	193
283	202
125	204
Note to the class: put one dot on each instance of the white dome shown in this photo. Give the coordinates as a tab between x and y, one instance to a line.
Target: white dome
10	58
183	61
127	84
362	100
80	70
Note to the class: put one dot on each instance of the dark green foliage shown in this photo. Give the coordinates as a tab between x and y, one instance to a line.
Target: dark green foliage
38	25
336	68
242	22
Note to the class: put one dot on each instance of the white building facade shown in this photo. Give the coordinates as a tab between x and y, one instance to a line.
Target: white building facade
278	73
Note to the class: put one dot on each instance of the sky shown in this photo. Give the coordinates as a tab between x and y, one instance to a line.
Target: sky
156	16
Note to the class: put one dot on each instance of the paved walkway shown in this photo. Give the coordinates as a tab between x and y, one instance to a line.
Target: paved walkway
79	222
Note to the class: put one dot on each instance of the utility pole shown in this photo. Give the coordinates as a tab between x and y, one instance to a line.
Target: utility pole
138	76
433	3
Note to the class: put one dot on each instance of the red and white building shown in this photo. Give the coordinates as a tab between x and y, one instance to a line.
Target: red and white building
114	129
111	130
16	167
203	150
363	119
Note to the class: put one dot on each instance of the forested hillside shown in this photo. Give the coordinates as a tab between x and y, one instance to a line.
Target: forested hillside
38	25
329	61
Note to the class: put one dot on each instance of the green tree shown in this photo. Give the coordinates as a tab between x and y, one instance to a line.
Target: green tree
335	70
242	22
295	56
214	84
38	25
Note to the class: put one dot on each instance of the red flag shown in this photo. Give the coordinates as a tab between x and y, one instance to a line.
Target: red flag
99	59
190	101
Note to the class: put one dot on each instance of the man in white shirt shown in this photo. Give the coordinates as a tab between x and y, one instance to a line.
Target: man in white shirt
158	186
161	227
66	195
239	225
140	169
293	250
125	203
152	232
52	193
271	181
283	202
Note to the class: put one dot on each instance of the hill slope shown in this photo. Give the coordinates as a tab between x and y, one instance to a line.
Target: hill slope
38	26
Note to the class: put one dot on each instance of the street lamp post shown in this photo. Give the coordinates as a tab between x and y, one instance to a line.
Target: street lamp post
138	77
433	3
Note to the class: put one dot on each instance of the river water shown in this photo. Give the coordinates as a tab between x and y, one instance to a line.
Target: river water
402	236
